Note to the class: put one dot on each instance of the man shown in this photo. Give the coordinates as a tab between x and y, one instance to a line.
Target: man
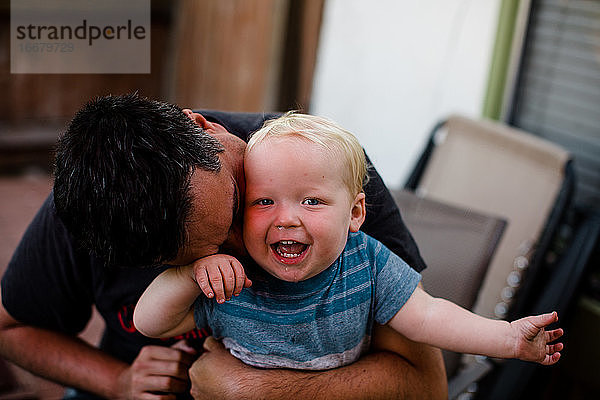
138	187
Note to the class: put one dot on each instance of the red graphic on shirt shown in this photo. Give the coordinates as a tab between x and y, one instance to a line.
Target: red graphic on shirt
125	316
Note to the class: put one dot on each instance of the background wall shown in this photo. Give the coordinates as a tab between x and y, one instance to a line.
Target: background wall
238	55
388	70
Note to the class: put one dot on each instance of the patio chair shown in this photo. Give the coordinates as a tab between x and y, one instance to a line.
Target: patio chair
490	168
520	380
456	244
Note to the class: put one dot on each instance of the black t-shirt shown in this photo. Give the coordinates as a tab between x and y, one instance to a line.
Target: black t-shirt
52	284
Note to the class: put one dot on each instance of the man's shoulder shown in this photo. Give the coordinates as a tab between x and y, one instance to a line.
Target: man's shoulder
48	242
47	216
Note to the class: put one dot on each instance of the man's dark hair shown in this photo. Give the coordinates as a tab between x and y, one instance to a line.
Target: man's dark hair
122	177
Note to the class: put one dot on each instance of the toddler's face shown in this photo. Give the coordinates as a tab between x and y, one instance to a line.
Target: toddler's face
298	210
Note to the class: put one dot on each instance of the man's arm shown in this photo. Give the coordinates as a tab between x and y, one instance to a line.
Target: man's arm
72	362
417	374
46	284
419	371
57	356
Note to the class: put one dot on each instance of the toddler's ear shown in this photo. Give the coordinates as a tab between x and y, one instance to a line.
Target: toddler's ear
358	212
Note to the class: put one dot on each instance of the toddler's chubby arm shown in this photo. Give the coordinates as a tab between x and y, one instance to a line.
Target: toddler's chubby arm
444	324
166	308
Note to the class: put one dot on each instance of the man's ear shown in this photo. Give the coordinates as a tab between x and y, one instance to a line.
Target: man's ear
211	128
198	119
358	212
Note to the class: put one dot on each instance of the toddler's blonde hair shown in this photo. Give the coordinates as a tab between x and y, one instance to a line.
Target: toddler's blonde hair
332	137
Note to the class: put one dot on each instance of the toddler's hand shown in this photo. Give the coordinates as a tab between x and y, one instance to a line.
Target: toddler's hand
533	341
220	276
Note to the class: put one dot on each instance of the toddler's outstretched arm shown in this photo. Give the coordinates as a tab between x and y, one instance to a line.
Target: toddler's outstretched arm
444	324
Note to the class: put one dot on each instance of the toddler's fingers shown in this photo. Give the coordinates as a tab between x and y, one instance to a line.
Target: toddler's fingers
543	320
554	348
240	276
203	283
247	282
551	359
228	275
216	282
553	334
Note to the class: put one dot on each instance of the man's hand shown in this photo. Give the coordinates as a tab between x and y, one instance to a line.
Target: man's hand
158	372
220	276
216	374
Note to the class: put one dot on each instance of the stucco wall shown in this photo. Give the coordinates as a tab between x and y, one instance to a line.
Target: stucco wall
388	70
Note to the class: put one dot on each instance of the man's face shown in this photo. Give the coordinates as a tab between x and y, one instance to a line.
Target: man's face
215	223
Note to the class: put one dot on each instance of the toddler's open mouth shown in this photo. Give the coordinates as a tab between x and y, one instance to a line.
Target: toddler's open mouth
289	249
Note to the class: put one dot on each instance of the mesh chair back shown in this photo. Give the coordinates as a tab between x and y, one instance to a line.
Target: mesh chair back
457	246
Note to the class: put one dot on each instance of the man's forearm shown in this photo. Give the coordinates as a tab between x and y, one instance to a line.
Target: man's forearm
418	373
61	358
379	375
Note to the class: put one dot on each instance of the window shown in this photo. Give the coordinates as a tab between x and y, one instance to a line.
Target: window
558	90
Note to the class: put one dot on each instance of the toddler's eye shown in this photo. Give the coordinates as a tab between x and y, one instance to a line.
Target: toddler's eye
264	202
311	202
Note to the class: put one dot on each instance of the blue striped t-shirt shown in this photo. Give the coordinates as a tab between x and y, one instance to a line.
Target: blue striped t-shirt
320	323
